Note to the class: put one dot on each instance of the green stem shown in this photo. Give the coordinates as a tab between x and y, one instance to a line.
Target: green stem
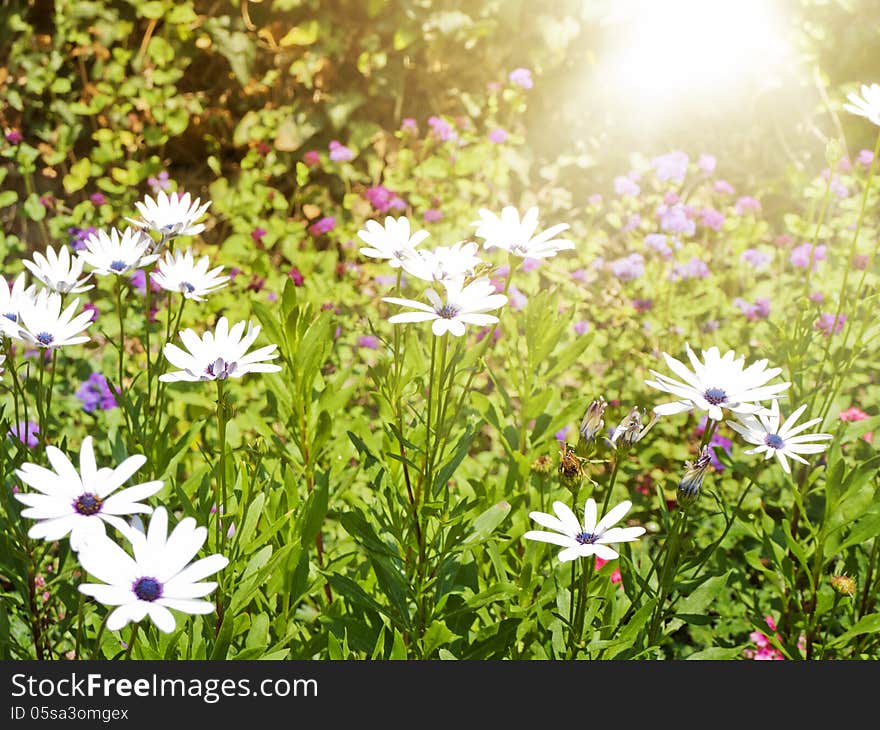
131	640
220	497
79	625
97	650
578	627
667	574
842	294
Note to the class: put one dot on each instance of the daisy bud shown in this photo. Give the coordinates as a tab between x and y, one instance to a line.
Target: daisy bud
843	584
592	424
571	470
689	486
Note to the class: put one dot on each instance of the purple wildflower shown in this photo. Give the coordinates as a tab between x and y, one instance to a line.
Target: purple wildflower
530	264
657	242
441	129
160	182
671	166
707	163
581	327
88	306
675	219
625	187
312	158
629	267
827	324
696	268
95	393
409	125
26	433
323	225
521	77
865	157
756	258
339	152
78	237
723	187
498	135
747	204
257	234
800	256
13	136
98	198
371	342
432	215
712	218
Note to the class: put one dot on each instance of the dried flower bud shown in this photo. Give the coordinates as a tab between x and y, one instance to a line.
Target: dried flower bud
694	473
542	465
843	584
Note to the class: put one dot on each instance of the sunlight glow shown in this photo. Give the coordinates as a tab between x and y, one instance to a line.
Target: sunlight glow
668	48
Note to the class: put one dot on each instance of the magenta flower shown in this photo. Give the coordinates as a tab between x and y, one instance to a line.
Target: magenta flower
746	204
339	152
296	276
581	327
432	215
712	218
409	125
580	275
13	136
323	225
98	198
441	129
759	310
562	433
852	414
530	264
827	324
498	135
800	256
522	77
93	309
369	341
383	199
865	157
257	234
312	158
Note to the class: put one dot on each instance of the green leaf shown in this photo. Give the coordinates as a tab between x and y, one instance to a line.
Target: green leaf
487	522
866	625
7	198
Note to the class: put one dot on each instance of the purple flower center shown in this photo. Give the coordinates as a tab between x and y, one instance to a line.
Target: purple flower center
88	504
586	538
119	266
448	311
774	441
11	316
147	589
44	338
187	287
220	369
715	396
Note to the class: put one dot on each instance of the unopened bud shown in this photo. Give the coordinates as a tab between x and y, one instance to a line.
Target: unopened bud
843	584
694	473
593	423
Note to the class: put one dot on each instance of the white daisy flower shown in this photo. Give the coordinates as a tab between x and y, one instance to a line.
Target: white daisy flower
60	271
171	215
219	355
391	241
12	299
515	236
717	383
118	254
42	322
443	263
463	305
180	272
591	538
781	439
867	105
78	503
158	577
